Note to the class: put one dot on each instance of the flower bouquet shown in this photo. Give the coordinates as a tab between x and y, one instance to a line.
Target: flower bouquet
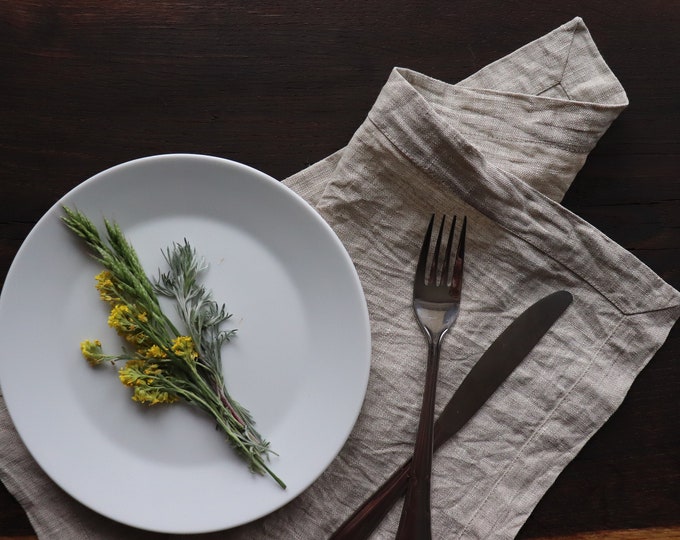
162	364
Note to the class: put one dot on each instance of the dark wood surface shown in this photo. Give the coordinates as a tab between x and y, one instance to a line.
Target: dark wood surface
86	84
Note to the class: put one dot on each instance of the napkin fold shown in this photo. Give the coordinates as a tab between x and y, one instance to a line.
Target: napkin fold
502	148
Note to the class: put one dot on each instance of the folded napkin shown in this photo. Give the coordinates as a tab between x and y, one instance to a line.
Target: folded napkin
500	147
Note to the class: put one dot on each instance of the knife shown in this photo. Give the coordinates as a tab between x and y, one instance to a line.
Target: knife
493	367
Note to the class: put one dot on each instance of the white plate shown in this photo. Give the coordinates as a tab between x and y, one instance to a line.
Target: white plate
300	361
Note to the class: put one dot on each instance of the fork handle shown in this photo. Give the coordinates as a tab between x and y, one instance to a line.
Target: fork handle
415	516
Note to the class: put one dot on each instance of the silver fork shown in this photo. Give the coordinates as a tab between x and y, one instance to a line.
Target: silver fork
436	302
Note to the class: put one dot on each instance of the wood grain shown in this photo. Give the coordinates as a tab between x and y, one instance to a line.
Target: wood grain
629	534
279	85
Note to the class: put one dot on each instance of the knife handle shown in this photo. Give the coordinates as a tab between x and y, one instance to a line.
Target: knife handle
368	516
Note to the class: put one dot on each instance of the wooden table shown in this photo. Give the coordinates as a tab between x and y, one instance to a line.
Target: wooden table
86	84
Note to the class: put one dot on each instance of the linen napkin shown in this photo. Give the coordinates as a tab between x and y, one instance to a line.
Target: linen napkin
500	147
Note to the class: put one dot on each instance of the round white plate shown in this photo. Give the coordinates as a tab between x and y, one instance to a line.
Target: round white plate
299	363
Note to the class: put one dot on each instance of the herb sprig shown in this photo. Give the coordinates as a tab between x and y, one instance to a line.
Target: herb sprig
167	365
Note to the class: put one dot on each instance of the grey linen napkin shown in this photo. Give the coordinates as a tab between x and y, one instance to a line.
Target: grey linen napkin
501	147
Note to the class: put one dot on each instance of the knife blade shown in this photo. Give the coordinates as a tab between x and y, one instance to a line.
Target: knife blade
493	367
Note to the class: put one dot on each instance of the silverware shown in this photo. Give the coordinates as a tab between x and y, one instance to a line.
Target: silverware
436	303
494	366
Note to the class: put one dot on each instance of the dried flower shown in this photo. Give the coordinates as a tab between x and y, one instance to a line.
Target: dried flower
167	365
92	351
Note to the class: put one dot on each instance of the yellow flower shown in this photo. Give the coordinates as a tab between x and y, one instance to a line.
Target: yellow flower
183	346
127	323
152	369
142	377
153	396
133	373
92	352
119	319
103	279
107	290
155	352
139	338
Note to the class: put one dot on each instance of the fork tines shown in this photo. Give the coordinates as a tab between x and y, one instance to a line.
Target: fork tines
446	276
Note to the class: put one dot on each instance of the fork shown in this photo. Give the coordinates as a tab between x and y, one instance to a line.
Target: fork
436	303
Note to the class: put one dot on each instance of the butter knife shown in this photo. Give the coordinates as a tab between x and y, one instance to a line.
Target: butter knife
493	367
